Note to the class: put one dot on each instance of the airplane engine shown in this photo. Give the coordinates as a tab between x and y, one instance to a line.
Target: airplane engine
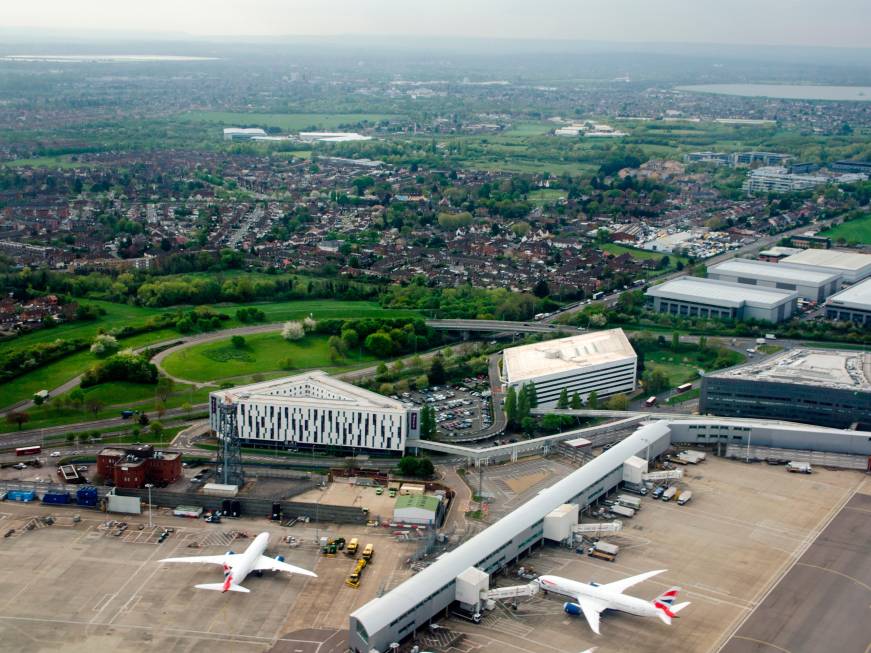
231	553
279	558
572	608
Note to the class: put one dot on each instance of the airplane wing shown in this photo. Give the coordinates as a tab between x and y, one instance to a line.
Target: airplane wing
265	563
591	609
623	585
215	560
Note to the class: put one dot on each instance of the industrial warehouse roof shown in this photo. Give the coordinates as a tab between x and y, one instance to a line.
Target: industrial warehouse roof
379	612
773	272
565	354
836	259
422	501
857	296
829	368
720	293
310	389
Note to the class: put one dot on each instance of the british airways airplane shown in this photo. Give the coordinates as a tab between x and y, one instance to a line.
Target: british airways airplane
237	567
591	599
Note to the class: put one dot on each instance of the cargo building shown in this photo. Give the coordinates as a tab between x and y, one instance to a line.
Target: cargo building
810	284
852	304
852	266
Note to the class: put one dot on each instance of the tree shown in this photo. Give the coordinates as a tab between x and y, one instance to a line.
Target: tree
675	341
421	382
511	405
309	324
427	423
551	423
437	375
379	343
70	438
541	289
104	345
563	402
143	419
593	400
94	405
292	331
186	407
164	388
532	391
576	403
157	430
18	418
618	402
425	468
238	342
77	398
523	407
39	399
350	338
703	343
656	381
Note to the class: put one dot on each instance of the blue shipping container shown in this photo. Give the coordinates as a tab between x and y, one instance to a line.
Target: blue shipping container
56	497
86	496
21	495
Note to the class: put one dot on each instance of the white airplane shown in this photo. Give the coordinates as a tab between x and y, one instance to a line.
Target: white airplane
237	567
591	599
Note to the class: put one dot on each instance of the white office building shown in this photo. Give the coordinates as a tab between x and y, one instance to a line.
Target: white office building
852	266
811	284
776	179
315	410
602	361
703	298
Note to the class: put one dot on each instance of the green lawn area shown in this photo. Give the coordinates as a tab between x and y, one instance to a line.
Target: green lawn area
768	349
854	231
546	195
681	366
47	162
284	121
684	396
641	254
262	353
117	315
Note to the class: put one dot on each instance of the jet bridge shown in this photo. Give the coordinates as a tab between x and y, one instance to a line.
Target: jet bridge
667	475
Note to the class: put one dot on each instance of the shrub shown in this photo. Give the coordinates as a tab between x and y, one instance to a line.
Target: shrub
104	345
124	366
293	331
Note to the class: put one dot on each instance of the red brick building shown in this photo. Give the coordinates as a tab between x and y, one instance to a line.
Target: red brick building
135	466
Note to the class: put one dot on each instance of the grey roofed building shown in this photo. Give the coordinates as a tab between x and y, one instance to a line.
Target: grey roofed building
696	297
825	387
852	304
413	603
811	284
852	266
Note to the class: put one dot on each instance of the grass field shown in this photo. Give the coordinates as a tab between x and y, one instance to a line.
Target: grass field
546	196
54	374
48	162
681	366
683	397
284	121
262	353
854	231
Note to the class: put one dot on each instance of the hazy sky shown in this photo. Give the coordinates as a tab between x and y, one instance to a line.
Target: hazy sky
777	22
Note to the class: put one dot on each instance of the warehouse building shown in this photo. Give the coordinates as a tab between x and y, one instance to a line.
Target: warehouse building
704	298
314	410
242	133
602	362
852	304
852	266
420	509
823	387
813	285
459	574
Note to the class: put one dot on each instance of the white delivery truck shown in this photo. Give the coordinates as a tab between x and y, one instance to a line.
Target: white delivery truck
669	493
685	497
629	502
800	468
622	511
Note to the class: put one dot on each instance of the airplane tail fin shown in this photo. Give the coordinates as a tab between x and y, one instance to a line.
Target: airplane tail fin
666	608
220	587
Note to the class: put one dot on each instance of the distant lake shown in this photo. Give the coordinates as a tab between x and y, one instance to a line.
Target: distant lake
786	91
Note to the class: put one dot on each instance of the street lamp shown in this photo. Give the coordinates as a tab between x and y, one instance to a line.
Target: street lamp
149	486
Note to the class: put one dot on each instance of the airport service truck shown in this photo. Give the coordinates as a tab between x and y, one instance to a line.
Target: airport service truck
604	551
622	511
669	493
629	502
685	497
798	468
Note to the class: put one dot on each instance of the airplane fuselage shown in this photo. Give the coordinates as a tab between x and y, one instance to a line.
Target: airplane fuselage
571	589
244	563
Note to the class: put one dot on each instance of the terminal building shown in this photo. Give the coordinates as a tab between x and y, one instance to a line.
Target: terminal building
852	304
243	133
315	410
813	285
602	362
711	298
823	387
852	266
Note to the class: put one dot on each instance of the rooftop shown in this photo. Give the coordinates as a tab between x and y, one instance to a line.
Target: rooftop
565	354
856	296
837	259
422	501
311	388
773	272
830	368
719	293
